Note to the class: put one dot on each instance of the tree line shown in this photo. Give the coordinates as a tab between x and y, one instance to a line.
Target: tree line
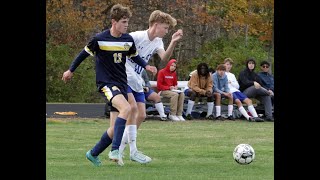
213	30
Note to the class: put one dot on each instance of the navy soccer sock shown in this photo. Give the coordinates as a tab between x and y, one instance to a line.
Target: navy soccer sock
104	142
119	127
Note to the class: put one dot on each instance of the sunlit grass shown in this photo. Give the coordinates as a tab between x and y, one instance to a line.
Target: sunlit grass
180	150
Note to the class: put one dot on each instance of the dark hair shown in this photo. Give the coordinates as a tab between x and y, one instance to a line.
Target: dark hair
118	11
264	62
211	70
205	65
251	60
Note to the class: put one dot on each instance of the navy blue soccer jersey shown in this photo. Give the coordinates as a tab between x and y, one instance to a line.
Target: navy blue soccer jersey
110	56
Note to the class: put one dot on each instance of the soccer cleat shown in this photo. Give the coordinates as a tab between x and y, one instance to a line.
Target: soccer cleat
189	117
140	158
115	156
257	119
210	117
220	118
94	159
120	161
163	118
251	119
231	118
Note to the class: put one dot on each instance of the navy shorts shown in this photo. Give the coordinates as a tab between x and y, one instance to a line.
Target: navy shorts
110	90
186	92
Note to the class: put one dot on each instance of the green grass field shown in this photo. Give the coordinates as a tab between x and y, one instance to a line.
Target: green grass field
199	149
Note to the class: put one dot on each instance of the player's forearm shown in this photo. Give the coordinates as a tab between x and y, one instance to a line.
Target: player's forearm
139	61
168	53
77	61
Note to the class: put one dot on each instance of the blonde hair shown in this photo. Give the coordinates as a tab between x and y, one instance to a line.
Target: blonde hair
228	60
158	16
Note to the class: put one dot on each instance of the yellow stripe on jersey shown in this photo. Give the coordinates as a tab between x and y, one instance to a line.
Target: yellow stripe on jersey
114	46
133	55
88	51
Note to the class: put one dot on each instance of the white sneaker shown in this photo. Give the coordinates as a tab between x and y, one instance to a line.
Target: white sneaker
173	117
140	158
181	118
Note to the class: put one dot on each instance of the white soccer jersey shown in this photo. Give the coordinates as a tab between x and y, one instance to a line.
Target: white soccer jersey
146	50
232	82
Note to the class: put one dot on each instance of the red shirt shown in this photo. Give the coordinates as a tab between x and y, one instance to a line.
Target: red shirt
166	78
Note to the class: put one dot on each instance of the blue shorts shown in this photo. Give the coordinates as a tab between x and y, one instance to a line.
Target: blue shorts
138	96
186	92
239	95
147	94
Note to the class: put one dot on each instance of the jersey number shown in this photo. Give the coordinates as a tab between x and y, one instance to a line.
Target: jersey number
117	57
138	69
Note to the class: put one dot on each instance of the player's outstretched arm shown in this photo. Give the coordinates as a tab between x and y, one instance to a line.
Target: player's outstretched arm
166	54
152	69
67	75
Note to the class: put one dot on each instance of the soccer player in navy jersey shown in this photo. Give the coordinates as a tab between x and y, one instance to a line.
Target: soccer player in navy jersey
148	42
110	49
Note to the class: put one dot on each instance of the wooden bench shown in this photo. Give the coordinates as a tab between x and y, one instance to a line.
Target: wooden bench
200	103
199	106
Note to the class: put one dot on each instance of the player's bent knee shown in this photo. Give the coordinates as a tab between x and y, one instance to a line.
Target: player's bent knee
157	99
134	108
126	109
142	116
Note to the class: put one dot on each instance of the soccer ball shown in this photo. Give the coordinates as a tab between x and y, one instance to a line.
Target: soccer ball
243	154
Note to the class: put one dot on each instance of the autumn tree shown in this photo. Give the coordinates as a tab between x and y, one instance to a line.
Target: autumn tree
213	29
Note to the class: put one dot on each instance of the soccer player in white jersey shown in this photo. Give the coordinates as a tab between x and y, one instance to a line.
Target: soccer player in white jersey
148	43
238	96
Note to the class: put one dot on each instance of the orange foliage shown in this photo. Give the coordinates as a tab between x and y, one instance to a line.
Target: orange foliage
233	15
69	22
258	14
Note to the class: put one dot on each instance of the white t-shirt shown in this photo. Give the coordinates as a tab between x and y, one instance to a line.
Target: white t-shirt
232	82
146	49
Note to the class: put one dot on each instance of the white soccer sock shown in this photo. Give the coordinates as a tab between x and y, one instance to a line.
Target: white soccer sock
244	112
230	109
252	111
132	137
124	140
190	106
159	107
210	108
218	111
